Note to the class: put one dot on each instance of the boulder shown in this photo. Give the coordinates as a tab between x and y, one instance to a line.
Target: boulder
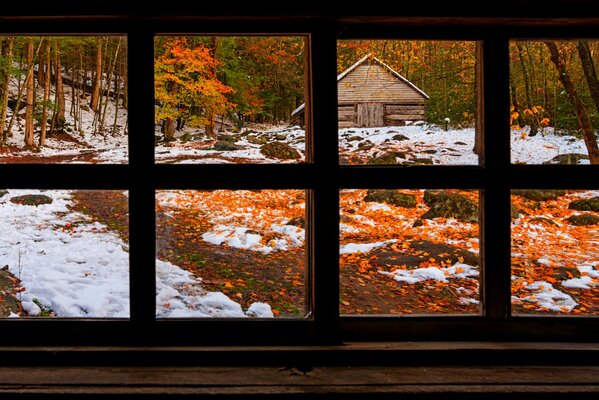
354	138
31	199
390	196
591	204
450	205
221	145
538	195
583	219
228	138
385	159
400	137
279	150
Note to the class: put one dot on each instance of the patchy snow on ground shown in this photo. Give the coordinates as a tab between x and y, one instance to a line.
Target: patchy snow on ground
458	270
546	296
74	267
111	145
200	149
544	146
180	295
351	248
264	230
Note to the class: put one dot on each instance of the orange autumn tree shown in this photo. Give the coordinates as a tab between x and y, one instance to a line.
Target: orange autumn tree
186	85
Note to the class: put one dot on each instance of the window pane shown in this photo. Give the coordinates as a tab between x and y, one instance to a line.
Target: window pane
64	253
554	113
555	252
229	99
407	102
409	252
78	116
226	253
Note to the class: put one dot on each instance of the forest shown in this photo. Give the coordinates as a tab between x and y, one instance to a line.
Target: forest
63	99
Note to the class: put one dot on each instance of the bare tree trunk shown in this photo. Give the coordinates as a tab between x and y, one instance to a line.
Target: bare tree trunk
30	96
526	76
59	117
210	113
107	89
6	74
40	73
44	123
583	118
95	101
590	74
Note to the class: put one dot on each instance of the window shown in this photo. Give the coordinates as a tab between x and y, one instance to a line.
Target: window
325	185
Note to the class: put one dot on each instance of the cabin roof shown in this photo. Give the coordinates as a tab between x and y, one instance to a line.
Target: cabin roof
370	56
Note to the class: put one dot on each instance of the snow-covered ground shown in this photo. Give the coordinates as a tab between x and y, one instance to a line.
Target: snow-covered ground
414	144
74	267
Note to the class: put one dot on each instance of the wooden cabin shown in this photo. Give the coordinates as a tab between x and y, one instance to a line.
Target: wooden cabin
371	94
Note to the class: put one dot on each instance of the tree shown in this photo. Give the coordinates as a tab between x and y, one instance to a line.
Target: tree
186	85
44	121
584	122
58	119
6	68
588	68
95	100
30	97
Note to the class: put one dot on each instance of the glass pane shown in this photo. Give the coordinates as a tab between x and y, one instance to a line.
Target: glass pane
229	99
78	116
555	252
407	102
554	101
64	254
409	252
233	254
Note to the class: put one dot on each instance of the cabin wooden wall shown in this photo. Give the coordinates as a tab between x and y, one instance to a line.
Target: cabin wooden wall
371	115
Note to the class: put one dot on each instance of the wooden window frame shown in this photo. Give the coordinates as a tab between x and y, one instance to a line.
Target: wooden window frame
323	177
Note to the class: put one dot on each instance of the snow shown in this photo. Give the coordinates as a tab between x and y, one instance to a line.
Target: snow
65	262
77	268
546	296
458	270
543	146
584	282
352	248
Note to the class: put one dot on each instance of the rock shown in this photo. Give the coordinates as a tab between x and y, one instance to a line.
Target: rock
366	145
279	150
400	137
8	301
583	219
228	138
32	199
280	136
569	158
300	222
354	138
417	223
514	213
543	221
221	145
248	131
461	143
450	205
431	151
387	158
345	218
390	196
538	195
3	192
185	138
583	204
257	139
157	138
424	161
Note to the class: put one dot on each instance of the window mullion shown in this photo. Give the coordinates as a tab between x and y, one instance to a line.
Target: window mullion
142	187
495	225
325	205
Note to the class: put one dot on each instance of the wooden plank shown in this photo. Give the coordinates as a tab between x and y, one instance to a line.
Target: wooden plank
404	117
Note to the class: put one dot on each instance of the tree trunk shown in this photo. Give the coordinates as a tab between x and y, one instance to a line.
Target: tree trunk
590	74
6	75
30	96
210	113
478	107
111	70
583	118
526	76
44	122
95	101
41	73
168	128
59	117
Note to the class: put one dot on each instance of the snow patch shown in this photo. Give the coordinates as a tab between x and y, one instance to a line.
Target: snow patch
351	248
458	270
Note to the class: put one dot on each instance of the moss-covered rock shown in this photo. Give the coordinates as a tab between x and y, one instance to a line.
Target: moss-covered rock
583	219
390	196
400	137
538	194
279	150
450	205
385	159
591	204
222	145
31	199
